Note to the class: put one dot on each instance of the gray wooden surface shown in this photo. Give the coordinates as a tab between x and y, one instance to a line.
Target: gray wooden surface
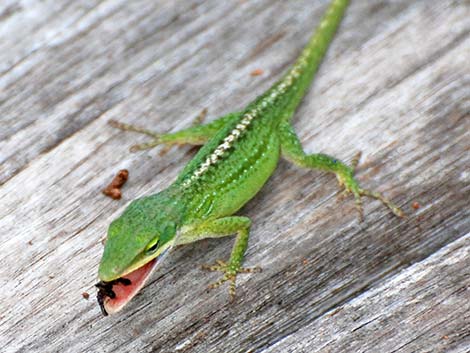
395	85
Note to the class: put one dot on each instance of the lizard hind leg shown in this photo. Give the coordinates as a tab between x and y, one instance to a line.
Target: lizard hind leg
292	150
196	135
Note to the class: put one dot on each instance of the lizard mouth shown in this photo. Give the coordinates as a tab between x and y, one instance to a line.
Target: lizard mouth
114	295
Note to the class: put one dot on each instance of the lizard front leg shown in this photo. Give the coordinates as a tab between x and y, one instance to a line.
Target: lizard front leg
196	135
292	150
223	227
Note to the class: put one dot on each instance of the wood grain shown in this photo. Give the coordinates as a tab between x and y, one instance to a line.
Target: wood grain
394	85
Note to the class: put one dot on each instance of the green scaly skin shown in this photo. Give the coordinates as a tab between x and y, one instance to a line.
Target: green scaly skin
240	152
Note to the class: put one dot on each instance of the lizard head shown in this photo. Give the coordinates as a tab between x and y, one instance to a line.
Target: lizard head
137	240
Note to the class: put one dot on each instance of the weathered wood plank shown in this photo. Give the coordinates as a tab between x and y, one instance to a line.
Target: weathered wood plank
394	85
424	308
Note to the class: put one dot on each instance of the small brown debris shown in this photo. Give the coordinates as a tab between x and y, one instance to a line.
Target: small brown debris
257	72
115	194
113	190
415	205
305	261
30	242
445	337
85	295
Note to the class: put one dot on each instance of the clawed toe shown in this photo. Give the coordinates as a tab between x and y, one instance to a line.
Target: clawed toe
350	185
230	273
220	266
397	211
358	193
355	161
142	146
145	146
359	208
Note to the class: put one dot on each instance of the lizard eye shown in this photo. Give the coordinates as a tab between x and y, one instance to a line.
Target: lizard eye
152	248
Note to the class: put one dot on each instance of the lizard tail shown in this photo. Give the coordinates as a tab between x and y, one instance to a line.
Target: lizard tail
302	72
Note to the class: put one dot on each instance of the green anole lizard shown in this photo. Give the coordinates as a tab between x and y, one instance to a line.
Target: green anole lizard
240	152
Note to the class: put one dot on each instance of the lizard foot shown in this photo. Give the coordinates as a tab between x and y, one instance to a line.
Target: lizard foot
351	186
230	273
167	139
142	146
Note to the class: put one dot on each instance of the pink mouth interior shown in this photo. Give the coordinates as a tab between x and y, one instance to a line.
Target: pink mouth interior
125	293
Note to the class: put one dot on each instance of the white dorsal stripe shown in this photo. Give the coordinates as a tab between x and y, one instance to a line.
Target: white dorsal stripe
246	120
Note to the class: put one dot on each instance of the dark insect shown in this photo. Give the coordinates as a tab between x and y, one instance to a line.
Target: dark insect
105	289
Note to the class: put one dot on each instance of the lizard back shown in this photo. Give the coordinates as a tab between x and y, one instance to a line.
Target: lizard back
234	164
231	167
